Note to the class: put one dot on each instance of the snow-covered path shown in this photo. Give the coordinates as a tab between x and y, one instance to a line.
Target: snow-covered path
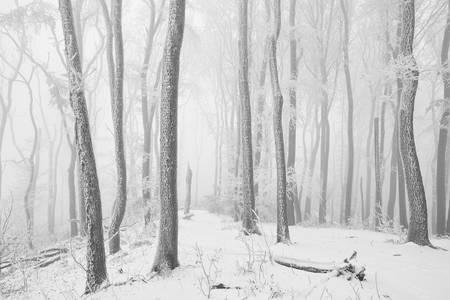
394	271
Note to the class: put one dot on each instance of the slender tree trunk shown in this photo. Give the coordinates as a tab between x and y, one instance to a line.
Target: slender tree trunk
72	191
95	255
167	251
418	223
348	81
393	171
369	164
378	184
292	196
117	111
311	166
282	218
443	133
249	213
51	189
237	214
187	202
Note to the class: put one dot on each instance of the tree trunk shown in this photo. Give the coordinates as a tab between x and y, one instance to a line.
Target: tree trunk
348	81
418	223
72	191
95	255
378	184
249	214
117	112
292	196
311	166
167	252
443	133
282	219
187	202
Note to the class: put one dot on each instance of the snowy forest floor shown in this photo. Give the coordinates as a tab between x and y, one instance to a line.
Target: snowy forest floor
394	270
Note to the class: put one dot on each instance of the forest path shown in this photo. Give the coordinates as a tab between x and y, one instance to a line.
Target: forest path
394	271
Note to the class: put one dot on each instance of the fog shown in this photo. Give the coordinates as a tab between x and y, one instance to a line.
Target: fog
341	63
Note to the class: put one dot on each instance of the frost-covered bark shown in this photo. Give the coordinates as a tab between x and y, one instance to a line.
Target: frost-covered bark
348	82
187	201
282	221
418	223
443	133
95	254
167	252
249	213
119	148
292	196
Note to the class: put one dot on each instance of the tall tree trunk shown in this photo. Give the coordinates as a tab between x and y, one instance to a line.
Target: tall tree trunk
51	189
282	219
72	191
348	81
95	254
443	133
292	196
369	164
418	223
167	252
117	111
378	184
249	213
312	164
187	201
237	213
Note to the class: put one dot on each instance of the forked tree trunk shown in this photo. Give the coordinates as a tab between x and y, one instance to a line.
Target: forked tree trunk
249	213
443	134
167	251
418	223
348	81
95	254
282	220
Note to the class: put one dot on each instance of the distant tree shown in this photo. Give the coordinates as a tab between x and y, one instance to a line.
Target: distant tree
282	220
95	255
187	202
249	213
418	223
167	251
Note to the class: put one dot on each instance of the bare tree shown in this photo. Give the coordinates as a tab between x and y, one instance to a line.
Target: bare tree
95	255
249	214
167	252
282	221
187	202
418	223
348	81
443	133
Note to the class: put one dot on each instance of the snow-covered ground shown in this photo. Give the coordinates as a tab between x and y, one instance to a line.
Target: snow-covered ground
394	270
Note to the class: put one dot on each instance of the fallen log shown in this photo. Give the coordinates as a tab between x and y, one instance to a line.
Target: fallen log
347	268
188	216
43	259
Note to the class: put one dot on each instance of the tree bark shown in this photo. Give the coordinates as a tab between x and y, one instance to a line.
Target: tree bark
282	219
443	133
249	213
348	81
167	252
95	255
418	223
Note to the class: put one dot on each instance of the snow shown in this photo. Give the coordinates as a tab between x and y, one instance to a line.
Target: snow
394	270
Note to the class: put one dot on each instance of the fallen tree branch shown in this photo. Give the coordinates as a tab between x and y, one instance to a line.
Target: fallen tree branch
346	268
43	259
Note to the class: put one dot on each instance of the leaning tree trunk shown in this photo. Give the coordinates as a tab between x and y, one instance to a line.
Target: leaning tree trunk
95	254
292	196
282	220
443	133
418	223
249	213
167	252
378	184
187	202
348	81
117	111
72	190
